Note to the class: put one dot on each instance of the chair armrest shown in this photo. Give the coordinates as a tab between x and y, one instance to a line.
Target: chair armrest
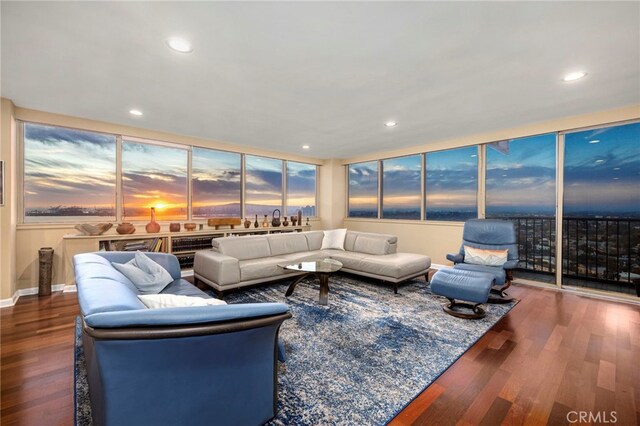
455	258
510	264
216	267
187	316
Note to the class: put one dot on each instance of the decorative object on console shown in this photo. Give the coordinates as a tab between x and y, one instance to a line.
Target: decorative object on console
153	226
224	221
247	223
125	228
256	223
334	239
190	226
201	226
265	221
300	217
294	220
174	227
285	222
275	220
307	224
89	229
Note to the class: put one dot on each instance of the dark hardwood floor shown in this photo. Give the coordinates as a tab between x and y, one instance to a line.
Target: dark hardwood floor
552	354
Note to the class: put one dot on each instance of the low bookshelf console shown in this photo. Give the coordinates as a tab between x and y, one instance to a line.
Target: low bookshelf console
183	244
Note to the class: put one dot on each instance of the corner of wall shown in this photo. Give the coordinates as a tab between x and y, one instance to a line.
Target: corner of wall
8	211
332	194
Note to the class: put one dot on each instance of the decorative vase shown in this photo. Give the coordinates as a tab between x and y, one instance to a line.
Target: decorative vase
256	224
153	226
190	226
247	223
174	227
294	220
275	220
285	222
300	217
125	228
265	222
307	224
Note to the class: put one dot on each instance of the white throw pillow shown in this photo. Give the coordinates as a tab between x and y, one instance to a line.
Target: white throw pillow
158	301
148	276
334	239
478	256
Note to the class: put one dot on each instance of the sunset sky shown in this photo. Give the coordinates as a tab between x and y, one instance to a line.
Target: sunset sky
452	179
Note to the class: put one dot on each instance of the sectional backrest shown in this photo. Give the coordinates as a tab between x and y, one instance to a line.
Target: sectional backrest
369	243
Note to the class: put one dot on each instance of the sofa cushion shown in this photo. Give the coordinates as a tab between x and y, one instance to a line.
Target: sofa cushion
314	239
266	267
395	265
184	288
145	274
243	248
375	243
308	255
334	239
349	259
350	240
159	301
287	243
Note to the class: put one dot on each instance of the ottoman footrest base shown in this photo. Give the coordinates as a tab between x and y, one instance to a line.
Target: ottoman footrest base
476	311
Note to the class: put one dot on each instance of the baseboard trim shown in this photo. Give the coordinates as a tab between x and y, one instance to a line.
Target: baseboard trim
6	303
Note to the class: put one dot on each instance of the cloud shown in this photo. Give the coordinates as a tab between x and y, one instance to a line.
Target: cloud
53	136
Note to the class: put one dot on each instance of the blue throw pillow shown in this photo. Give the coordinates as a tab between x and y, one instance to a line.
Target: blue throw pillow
148	276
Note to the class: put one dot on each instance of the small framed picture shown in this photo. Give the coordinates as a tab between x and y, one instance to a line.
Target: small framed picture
1	183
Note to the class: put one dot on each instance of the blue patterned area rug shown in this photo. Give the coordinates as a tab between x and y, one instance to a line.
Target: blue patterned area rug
359	360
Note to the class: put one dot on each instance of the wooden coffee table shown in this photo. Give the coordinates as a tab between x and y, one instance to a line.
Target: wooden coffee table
320	268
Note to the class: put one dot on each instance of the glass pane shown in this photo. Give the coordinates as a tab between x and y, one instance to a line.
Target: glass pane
521	186
153	176
601	220
363	189
301	189
451	184
263	189
401	187
69	175
216	183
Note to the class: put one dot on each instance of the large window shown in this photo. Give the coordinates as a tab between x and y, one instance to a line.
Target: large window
263	187
154	176
363	189
301	189
521	177
451	184
401	187
216	183
69	175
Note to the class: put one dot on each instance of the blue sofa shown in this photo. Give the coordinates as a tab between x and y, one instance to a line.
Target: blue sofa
194	365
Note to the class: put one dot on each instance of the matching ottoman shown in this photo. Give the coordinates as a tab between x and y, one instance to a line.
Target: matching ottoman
469	286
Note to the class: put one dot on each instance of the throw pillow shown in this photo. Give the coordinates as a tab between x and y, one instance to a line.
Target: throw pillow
158	301
148	276
334	239
478	256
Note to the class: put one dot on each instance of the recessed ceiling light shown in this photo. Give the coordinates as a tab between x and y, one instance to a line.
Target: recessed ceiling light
595	141
305	147
180	45
573	76
599	161
391	124
135	112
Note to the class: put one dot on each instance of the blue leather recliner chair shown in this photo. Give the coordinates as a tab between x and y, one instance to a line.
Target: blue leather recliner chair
189	365
490	234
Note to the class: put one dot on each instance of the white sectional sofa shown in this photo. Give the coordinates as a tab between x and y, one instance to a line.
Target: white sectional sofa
236	262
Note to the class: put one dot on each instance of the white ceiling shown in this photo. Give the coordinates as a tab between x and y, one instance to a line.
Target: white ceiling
279	75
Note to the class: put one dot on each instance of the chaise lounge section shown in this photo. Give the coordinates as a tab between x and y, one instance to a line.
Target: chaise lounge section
237	262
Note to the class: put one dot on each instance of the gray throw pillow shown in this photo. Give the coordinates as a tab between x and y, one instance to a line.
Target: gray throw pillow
148	276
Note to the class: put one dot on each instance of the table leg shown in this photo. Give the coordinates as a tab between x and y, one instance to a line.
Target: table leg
324	288
295	283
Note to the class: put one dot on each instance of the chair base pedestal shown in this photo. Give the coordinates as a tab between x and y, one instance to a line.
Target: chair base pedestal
498	296
450	308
